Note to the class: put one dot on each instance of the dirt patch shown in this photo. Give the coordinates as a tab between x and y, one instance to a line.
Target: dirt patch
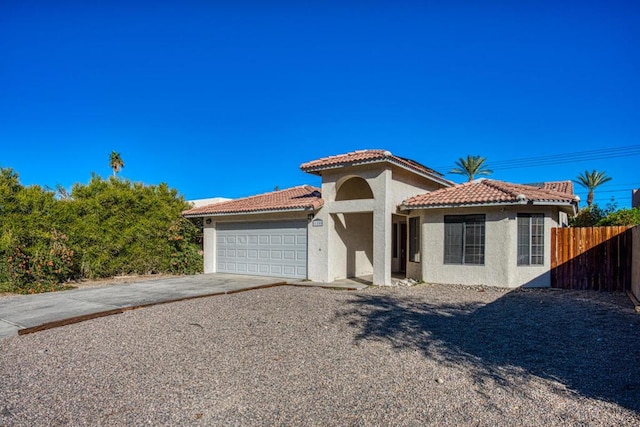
96	283
118	280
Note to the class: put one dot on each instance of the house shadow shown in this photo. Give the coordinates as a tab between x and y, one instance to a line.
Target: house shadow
586	343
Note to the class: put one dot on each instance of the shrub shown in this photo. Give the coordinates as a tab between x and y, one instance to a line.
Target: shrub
45	270
186	257
622	217
101	229
590	216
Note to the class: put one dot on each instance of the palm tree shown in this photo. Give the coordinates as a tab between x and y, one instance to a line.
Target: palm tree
591	181
116	163
471	166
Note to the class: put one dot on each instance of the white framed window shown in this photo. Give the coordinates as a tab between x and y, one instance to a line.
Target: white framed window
530	239
464	239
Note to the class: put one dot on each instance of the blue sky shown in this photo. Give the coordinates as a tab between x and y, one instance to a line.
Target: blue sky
229	98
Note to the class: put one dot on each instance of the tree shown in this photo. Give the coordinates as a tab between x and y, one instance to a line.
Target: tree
116	163
591	181
471	166
623	217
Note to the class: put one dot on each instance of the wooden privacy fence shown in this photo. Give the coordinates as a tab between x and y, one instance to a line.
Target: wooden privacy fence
591	258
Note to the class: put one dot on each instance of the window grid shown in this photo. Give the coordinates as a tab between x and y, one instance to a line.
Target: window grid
464	239
530	239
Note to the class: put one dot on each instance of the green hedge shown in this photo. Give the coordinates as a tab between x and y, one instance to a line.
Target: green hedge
102	229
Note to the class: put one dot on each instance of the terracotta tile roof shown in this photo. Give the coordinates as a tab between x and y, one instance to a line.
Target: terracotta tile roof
487	192
370	156
560	186
291	199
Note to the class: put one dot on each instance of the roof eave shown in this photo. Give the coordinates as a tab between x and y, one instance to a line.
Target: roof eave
404	207
317	170
261	211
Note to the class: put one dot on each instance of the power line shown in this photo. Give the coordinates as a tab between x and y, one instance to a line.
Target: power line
569	157
575	157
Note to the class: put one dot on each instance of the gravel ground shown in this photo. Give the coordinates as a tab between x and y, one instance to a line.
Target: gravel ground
424	355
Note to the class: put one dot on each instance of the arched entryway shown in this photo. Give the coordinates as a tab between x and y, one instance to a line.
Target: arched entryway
353	253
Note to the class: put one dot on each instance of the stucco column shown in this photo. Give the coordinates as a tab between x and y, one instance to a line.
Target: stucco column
382	245
318	245
209	246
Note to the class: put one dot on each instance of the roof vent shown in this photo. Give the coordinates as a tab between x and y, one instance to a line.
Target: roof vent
521	198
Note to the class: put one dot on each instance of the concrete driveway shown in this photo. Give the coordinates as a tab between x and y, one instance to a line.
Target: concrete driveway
22	314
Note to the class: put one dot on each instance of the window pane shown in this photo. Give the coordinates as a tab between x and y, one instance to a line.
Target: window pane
537	239
414	239
530	239
474	239
464	239
524	223
453	242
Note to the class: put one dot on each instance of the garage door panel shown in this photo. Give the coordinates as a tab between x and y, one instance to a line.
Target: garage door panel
276	269
276	240
275	248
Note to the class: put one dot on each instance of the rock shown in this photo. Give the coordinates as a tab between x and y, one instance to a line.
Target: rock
404	282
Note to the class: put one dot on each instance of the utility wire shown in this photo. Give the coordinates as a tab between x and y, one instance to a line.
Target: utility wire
579	156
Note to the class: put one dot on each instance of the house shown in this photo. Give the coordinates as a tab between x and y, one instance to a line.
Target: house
381	215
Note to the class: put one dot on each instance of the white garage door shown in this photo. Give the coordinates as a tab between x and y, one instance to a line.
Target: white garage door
270	248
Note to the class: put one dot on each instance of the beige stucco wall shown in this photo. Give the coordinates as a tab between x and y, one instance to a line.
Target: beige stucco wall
209	231
635	263
354	246
405	185
500	267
